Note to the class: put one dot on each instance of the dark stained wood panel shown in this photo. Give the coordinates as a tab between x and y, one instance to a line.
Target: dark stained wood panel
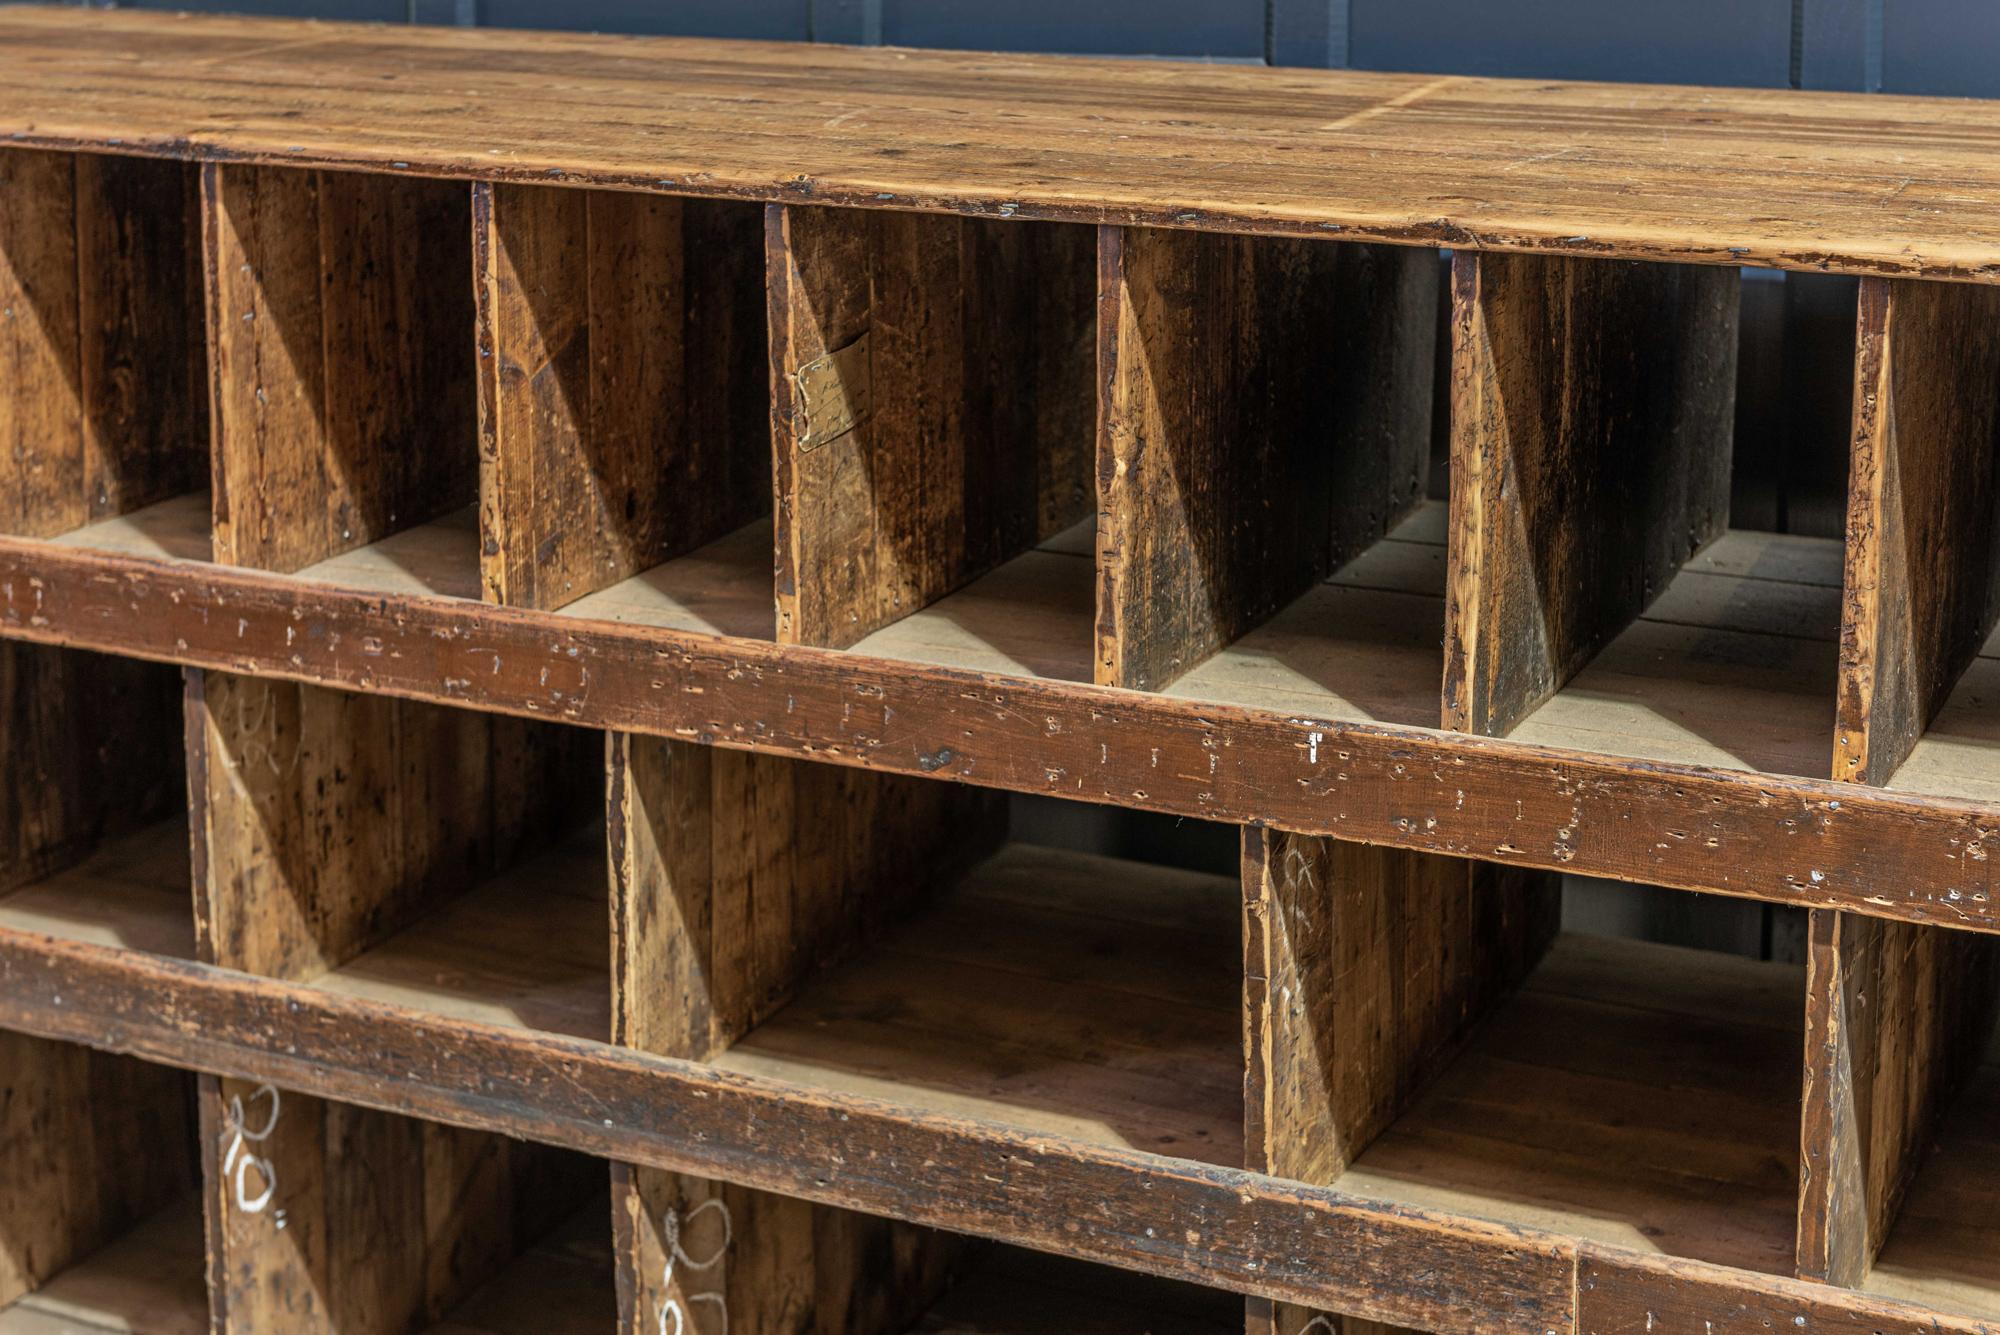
1860	184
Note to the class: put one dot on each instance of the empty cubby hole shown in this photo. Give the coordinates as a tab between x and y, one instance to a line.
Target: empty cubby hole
1601	600
624	406
340	310
1903	1094
1425	1031
441	860
100	1216
324	1216
104	415
1266	533
885	936
932	436
93	826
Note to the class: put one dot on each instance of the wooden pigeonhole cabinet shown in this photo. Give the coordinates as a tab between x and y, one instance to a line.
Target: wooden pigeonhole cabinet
564	600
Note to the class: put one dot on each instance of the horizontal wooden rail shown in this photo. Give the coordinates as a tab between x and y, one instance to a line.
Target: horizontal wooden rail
1784	840
1142	1212
1814	181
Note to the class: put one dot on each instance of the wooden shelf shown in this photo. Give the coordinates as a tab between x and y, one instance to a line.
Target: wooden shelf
151	1281
171	530
1958	755
1008	1291
528	949
1641	1095
1081	996
134	894
562	1285
1944	1250
1732	667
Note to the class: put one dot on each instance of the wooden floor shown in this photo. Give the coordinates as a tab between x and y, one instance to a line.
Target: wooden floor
137	894
1641	1095
563	1285
1008	1291
152	1281
1733	666
530	948
1944	1249
1059	992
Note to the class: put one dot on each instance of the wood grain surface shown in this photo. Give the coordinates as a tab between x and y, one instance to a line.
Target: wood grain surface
1815	181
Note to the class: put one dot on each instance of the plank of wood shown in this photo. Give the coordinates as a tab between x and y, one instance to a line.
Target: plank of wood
135	893
170	530
1885	854
1921	553
562	1285
623	398
931	407
341	371
1897	1017
736	878
1894	185
1611	1099
91	1144
1364	971
41	415
1264	415
1563	414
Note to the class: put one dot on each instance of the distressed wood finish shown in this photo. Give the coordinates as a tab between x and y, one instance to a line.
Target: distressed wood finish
1923	514
1769	837
324	824
971	440
1896	1017
341	366
1364	969
1581	390
735	877
622	384
100	337
1874	184
1264	415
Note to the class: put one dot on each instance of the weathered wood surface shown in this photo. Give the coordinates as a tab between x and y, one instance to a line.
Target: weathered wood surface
931	407
1770	837
1264	415
1364	969
1868	184
1923	516
1590	436
1897	1015
341	359
735	877
622	384
1230	1229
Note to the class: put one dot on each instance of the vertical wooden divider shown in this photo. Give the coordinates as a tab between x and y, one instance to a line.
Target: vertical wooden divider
324	823
737	876
1592	415
1364	970
105	405
1264	415
622	384
931	406
340	313
1897	1013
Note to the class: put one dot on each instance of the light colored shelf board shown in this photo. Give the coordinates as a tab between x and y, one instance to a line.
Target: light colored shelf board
721	589
1009	1291
136	893
176	529
1639	1095
563	1285
530	949
151	1281
1733	667
439	559
1366	646
1959	753
1060	992
1944	1249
